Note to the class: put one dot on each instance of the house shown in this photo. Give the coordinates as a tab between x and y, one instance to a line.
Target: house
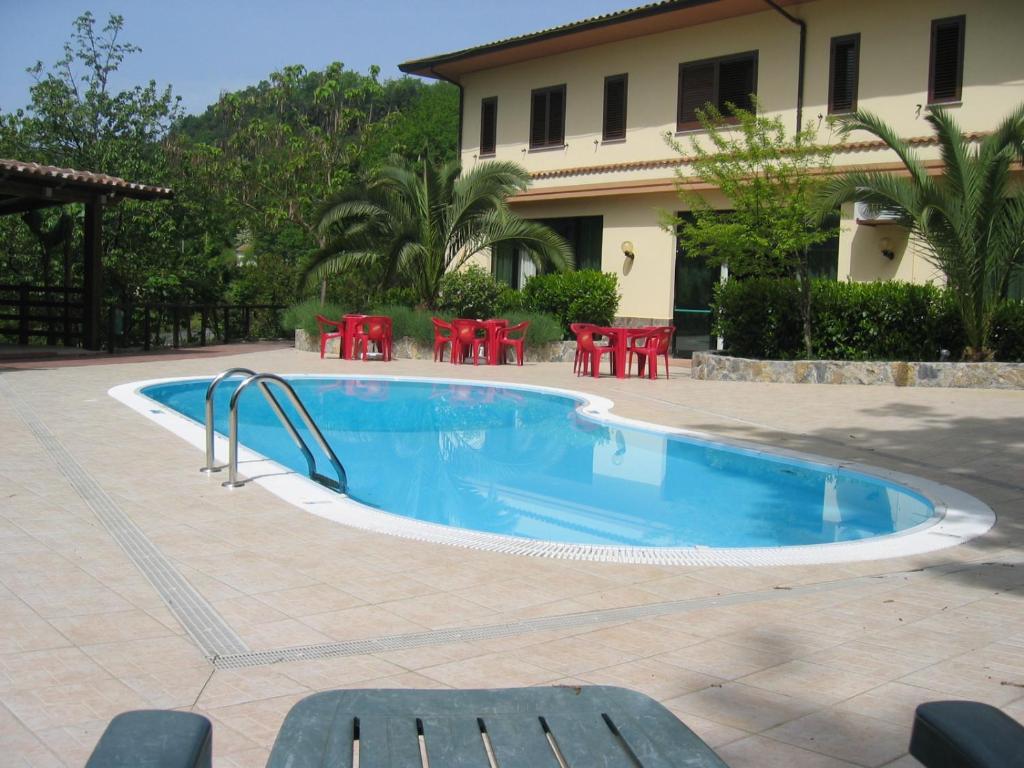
585	107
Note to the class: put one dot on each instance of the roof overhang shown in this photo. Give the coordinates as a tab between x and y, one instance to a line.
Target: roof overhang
31	186
599	30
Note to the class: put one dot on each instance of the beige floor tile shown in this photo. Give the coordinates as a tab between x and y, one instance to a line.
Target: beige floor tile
659	681
741	706
845	736
361	622
496	670
303	601
761	752
721	659
817	682
93	629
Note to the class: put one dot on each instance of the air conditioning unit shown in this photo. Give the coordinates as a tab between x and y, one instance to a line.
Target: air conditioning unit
872	216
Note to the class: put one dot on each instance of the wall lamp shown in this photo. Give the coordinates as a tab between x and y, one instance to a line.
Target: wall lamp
627	249
886	245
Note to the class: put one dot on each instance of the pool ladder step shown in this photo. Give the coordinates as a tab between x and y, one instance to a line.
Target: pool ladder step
264	382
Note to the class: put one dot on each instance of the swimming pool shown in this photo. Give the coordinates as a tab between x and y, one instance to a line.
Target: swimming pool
526	466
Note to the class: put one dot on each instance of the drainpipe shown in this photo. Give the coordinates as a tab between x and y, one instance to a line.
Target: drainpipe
803	56
462	97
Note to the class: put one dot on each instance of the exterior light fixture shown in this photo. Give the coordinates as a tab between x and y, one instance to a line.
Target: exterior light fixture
627	248
886	245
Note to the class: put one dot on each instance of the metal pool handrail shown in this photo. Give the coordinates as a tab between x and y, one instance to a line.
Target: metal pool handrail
339	485
210	458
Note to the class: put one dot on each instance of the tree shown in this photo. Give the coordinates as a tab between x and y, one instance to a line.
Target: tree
772	183
970	218
421	224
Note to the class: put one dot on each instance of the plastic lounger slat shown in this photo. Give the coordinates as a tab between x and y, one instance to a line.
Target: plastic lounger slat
585	740
520	740
314	733
388	742
454	742
659	742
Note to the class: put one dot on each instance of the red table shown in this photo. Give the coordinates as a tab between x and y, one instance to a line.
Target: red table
620	341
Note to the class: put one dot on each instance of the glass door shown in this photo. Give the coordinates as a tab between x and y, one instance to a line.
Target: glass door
694	283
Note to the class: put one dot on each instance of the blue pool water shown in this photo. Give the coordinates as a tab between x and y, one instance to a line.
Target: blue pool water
529	464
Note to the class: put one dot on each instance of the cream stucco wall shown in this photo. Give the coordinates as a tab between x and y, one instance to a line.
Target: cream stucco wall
894	58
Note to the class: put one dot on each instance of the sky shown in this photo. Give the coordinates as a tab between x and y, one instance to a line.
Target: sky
204	47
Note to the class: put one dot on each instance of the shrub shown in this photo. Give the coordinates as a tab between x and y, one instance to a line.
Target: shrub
511	300
399	296
406	321
584	296
1008	331
760	318
303	315
543	329
471	292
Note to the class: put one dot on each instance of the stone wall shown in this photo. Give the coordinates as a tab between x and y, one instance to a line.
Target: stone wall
716	367
406	347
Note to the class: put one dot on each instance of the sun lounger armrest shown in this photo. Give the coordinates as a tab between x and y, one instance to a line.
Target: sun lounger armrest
154	738
965	734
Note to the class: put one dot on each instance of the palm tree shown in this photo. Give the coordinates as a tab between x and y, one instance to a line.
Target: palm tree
419	225
970	218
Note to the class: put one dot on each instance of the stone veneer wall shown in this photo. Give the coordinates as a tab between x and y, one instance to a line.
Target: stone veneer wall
717	367
558	351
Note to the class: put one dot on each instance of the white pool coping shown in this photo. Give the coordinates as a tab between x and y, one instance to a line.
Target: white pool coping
958	518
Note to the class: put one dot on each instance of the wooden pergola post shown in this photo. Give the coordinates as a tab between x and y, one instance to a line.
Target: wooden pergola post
92	293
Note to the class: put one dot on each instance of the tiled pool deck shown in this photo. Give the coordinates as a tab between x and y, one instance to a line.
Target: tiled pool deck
790	666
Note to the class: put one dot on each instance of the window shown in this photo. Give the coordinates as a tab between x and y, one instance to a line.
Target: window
718	82
844	72
547	117
488	126
614	107
946	68
583	233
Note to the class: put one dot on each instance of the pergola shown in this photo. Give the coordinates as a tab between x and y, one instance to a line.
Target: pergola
30	186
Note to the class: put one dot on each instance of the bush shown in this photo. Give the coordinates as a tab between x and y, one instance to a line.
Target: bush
1008	332
406	321
511	300
303	315
472	292
543	329
584	296
760	318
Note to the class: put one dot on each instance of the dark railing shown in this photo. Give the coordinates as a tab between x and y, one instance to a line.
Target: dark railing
181	325
29	312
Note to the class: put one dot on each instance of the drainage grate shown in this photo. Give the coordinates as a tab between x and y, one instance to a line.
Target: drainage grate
497	631
210	632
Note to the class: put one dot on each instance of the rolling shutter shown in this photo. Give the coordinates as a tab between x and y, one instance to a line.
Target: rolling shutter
547	117
947	60
614	108
539	119
489	126
696	90
844	74
735	84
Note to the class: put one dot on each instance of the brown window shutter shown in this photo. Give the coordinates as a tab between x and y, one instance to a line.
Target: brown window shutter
489	125
614	107
556	117
696	90
736	83
844	74
539	119
946	68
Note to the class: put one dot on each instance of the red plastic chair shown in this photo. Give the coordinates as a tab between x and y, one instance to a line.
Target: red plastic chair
376	330
441	340
322	324
590	357
505	340
467	340
576	328
656	345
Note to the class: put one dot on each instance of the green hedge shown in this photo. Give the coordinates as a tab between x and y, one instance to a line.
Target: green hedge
760	318
584	296
471	292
